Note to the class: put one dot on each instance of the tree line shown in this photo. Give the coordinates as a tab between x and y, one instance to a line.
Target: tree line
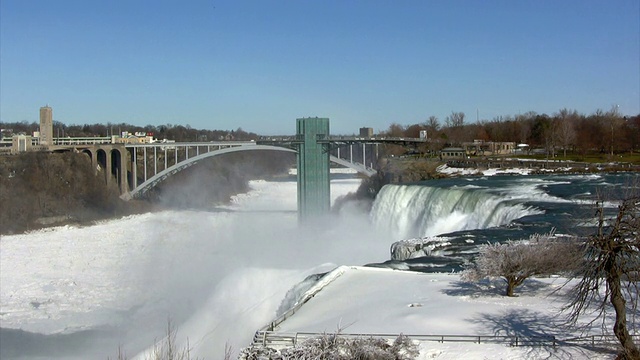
565	131
179	133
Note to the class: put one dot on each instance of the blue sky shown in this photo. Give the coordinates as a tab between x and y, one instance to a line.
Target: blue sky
260	65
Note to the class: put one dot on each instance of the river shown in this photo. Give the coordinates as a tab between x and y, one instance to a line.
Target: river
217	276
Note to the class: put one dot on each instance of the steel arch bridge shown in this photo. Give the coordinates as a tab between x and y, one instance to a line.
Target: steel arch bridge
140	189
312	144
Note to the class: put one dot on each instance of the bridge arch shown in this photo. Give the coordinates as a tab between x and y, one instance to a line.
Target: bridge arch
109	159
161	176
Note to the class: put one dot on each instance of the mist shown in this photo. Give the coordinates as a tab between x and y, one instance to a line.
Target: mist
233	275
218	275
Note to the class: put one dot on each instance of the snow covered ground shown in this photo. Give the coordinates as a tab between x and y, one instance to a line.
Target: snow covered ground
218	275
381	301
444	169
221	275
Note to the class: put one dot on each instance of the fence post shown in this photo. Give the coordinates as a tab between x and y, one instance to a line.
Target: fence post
516	341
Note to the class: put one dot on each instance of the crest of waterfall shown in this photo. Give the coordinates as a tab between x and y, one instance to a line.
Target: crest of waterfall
408	211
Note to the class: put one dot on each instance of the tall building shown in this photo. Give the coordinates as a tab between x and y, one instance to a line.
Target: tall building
46	125
366	132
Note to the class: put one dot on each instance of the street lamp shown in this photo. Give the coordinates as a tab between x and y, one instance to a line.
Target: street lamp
613	118
611	137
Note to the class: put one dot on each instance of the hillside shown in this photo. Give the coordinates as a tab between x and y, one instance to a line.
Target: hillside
42	189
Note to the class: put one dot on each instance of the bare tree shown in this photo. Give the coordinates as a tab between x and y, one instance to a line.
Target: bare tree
614	121
613	264
526	120
456	119
516	261
566	133
433	124
339	346
455	127
168	349
395	130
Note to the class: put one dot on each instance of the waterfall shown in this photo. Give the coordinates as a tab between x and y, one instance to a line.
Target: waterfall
408	211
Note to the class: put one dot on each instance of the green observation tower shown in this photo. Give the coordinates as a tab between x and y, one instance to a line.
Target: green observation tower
313	167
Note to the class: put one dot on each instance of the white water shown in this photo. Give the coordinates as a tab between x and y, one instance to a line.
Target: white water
218	275
410	211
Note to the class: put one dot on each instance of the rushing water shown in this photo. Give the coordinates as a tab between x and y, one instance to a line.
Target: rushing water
75	293
460	213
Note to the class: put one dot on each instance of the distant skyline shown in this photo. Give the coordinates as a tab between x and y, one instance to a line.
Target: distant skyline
259	65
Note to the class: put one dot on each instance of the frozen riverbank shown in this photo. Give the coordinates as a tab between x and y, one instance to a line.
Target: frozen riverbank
81	292
357	300
218	275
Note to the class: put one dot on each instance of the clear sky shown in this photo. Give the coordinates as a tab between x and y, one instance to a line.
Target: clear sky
260	65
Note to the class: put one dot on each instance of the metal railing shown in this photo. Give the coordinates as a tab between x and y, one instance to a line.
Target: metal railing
308	295
594	340
268	336
280	340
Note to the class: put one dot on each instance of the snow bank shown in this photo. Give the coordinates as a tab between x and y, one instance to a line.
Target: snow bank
445	169
360	300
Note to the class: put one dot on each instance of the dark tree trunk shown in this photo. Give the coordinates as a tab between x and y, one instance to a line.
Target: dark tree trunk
511	284
620	325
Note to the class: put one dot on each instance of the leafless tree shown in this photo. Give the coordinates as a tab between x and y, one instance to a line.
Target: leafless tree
613	265
456	119
455	127
525	122
168	349
565	122
516	261
338	346
395	130
433	124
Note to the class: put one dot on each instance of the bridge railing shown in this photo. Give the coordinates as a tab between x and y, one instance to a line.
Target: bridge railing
322	138
373	139
150	169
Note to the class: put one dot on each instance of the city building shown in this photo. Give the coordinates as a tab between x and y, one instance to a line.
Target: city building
21	143
46	125
489	148
43	140
135	138
452	153
366	132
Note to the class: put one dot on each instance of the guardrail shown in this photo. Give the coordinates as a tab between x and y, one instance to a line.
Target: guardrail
269	337
308	295
280	340
594	340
